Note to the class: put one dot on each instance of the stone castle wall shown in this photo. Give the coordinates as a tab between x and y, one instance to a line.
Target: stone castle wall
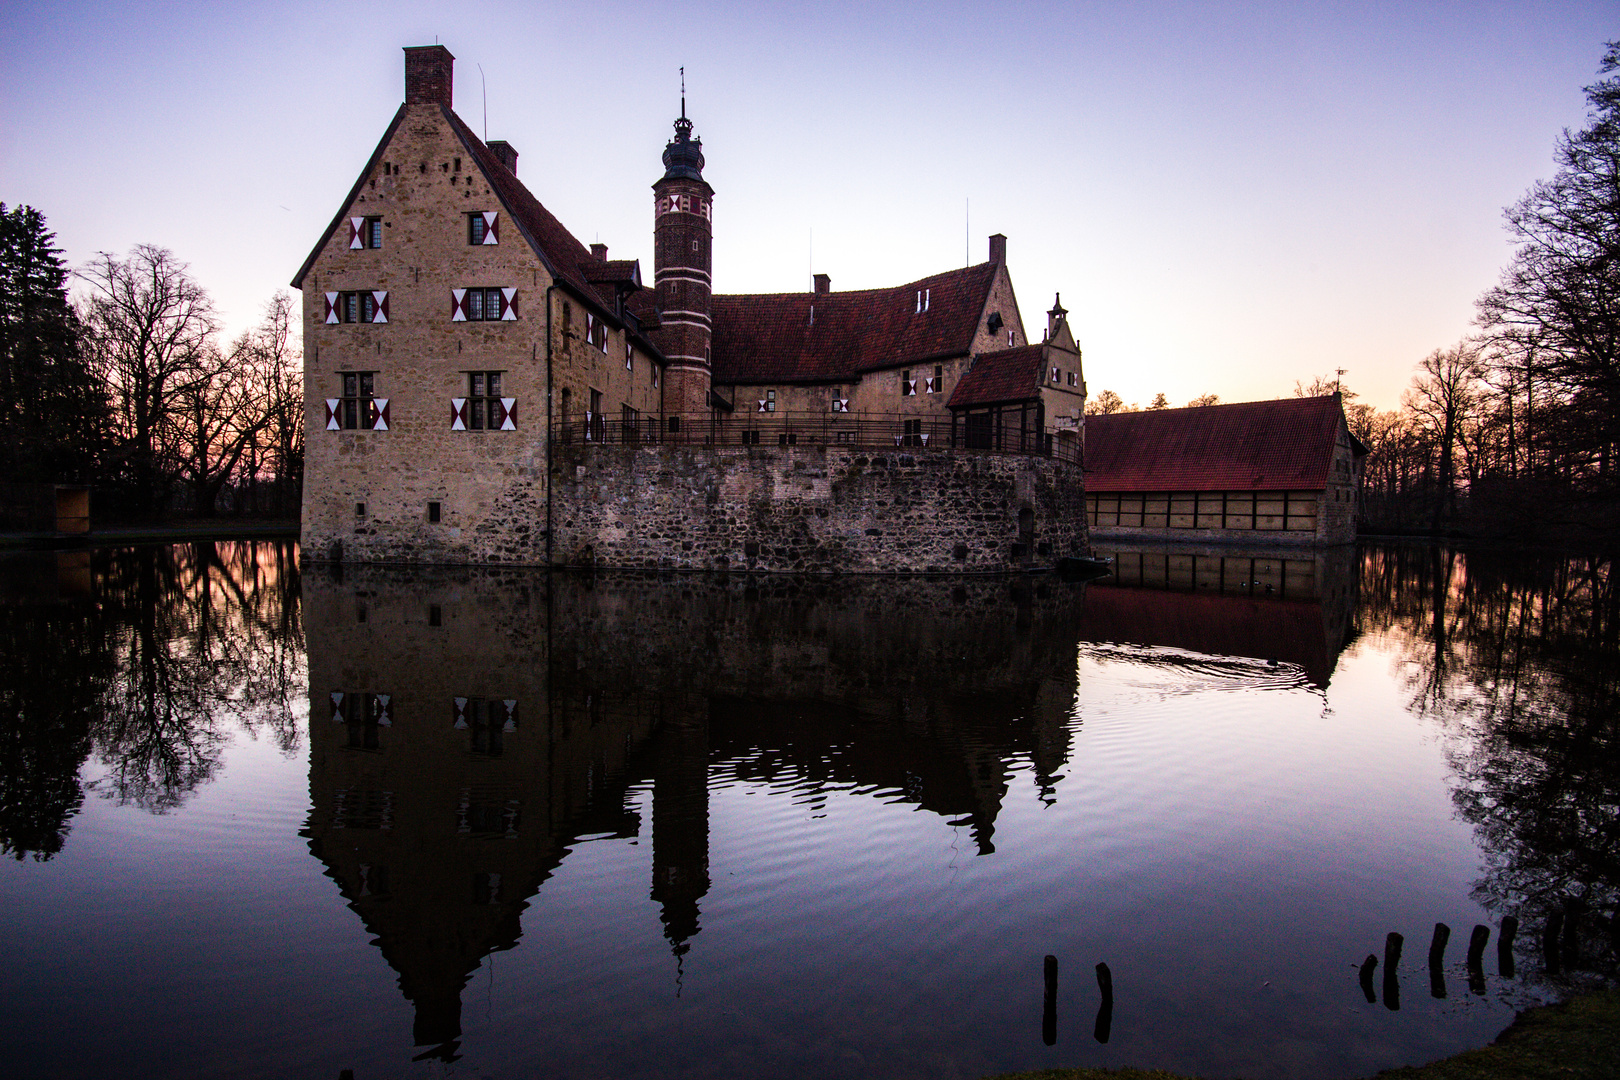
813	509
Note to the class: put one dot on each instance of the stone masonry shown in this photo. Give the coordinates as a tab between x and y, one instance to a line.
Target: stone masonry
813	509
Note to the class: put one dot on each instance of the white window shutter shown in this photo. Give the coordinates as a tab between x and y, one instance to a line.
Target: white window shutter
385	710
929	385
509	408
337	705
332	405
331	307
458	305
761	404
357	227
382	306
458	414
509	310
461	713
911	387
511	715
379	414
492	234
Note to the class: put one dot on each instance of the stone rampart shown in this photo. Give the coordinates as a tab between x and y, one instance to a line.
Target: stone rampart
813	509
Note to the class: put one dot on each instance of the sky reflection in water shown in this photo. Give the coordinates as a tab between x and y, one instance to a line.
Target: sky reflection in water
692	826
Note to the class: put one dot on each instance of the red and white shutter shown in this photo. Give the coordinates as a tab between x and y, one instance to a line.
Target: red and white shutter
929	385
461	713
458	305
458	414
379	414
331	307
337	705
357	226
1056	376
332	405
509	310
761	404
385	710
381	314
511	715
911	388
508	414
492	233
703	208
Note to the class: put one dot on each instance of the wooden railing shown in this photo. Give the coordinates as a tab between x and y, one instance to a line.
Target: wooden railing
864	431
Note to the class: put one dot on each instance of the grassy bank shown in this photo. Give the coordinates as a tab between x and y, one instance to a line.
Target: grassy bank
1575	1040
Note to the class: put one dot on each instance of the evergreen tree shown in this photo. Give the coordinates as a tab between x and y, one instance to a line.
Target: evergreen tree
53	412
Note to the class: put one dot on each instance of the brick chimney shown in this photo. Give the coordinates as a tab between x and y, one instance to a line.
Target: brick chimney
599	252
504	154
823	284
998	249
429	75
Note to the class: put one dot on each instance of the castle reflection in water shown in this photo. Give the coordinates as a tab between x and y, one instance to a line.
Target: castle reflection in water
467	726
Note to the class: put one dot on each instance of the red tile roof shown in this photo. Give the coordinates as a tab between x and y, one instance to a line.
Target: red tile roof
1000	377
827	337
1256	445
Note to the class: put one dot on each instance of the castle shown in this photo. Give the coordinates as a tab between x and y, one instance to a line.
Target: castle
482	388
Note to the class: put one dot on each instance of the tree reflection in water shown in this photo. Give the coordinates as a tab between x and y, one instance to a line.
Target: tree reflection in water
151	658
1519	658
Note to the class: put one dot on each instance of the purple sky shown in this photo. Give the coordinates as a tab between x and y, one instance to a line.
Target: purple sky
1230	197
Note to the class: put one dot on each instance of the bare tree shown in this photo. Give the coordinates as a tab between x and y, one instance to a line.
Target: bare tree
1204	401
1444	396
269	360
1561	293
1159	402
149	338
1105	403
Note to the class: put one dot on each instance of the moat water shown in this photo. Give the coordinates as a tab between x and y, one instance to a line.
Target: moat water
267	822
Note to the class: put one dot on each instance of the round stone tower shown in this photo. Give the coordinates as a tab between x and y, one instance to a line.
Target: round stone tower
682	230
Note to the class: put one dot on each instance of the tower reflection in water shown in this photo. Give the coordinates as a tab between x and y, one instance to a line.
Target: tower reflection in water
468	726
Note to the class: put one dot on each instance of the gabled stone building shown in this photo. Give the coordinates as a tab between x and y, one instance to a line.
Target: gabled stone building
457	335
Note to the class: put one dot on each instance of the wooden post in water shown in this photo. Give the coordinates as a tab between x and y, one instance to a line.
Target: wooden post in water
1392	961
1105	1011
1504	946
1368	966
1476	959
1049	1010
1437	960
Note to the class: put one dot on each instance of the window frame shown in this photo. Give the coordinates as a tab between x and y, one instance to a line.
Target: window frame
357	411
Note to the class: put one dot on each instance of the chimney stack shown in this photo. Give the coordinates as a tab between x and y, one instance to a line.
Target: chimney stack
998	249
823	284
599	252
429	75
504	154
